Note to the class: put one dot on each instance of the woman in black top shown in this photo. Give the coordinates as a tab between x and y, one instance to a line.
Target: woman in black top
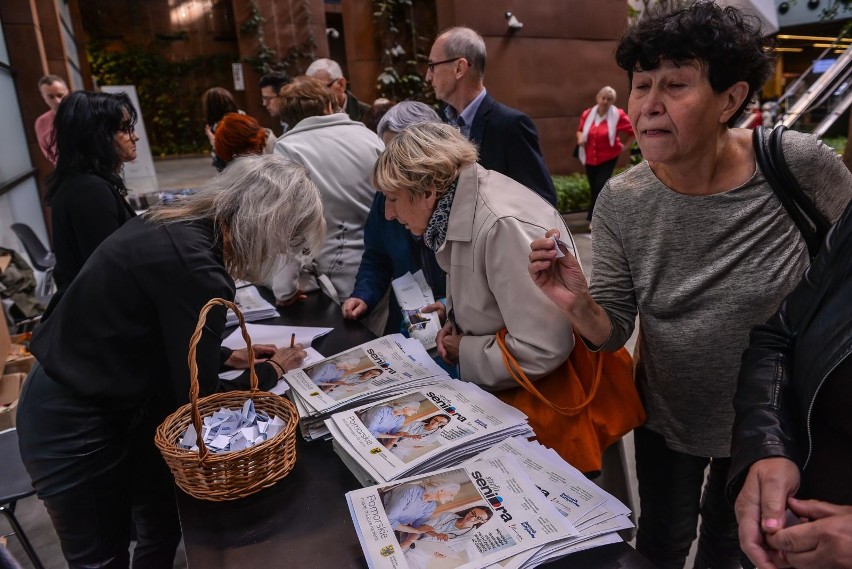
94	137
113	356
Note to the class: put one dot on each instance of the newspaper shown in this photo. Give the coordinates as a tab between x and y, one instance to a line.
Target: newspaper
435	425
251	304
385	365
469	517
413	293
593	512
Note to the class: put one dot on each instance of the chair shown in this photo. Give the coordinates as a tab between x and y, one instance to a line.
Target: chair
42	259
15	485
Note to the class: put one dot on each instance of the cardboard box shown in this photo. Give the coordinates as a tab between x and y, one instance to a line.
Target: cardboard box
10	390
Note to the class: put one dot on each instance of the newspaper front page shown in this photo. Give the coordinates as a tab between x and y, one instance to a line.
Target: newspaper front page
465	517
395	436
386	363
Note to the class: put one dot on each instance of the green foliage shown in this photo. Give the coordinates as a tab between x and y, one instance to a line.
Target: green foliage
838	143
404	47
168	104
266	59
572	192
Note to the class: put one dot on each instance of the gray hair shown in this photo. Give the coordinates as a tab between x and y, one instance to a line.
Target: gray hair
324	64
465	42
607	90
406	114
438	484
267	205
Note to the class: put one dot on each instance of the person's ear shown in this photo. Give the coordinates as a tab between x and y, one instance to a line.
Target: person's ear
342	82
462	65
734	95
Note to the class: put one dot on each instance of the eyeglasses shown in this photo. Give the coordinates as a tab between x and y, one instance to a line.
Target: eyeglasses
476	518
333	81
127	129
431	64
266	98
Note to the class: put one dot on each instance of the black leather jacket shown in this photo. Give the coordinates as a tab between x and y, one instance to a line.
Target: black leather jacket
790	357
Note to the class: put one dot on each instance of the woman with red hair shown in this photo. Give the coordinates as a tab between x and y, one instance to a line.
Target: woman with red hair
238	135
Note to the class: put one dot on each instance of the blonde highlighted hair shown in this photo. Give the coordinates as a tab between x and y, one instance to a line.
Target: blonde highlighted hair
423	158
267	205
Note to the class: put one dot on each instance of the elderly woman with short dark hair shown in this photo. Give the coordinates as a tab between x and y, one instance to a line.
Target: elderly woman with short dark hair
476	221
695	242
112	359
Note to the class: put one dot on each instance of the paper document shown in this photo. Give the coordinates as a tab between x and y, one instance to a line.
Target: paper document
413	293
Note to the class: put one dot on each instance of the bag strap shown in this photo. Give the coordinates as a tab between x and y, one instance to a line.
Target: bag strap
770	158
521	379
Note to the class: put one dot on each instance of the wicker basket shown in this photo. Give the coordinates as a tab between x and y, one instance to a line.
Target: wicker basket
229	475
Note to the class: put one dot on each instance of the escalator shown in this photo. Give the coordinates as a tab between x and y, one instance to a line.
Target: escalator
815	100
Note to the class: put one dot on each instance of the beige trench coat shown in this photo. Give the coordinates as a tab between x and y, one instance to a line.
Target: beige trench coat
492	221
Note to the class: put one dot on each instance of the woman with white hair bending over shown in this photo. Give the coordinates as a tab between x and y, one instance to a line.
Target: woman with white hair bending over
113	356
478	223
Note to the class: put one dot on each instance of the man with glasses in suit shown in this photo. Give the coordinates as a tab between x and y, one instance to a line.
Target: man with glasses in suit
507	138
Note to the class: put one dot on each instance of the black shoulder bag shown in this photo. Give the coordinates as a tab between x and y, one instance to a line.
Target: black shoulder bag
770	158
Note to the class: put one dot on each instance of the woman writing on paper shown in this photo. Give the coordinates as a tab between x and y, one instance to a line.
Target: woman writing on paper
598	142
112	359
696	243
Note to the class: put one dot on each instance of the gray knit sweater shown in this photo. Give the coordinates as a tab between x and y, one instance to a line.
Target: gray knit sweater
701	271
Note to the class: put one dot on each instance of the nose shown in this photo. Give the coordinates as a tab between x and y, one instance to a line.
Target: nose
428	76
652	102
390	212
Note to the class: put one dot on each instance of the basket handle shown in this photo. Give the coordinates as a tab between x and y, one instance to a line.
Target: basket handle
193	365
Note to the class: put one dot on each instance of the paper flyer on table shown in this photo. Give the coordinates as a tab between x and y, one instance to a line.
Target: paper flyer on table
278	336
413	293
472	516
397	434
360	371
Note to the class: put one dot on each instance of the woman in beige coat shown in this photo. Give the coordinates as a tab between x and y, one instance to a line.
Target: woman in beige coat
479	223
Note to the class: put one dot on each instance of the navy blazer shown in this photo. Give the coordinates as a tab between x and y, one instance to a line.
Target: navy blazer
508	143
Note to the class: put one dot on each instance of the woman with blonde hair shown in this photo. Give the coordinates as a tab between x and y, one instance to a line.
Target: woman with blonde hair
475	220
598	142
112	359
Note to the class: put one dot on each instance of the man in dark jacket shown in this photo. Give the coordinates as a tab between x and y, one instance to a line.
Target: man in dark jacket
507	138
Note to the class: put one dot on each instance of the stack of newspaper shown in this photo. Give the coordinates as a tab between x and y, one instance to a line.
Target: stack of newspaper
251	304
435	426
517	505
376	370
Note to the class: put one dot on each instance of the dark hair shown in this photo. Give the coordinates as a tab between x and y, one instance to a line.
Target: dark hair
276	80
728	41
466	511
84	130
216	102
238	135
375	113
303	98
427	420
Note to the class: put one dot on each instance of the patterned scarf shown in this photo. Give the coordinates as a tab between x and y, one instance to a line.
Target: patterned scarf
436	231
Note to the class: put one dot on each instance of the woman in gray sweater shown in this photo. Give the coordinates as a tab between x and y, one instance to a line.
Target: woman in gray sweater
695	242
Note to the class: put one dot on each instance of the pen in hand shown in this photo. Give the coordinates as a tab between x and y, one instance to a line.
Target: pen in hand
292	340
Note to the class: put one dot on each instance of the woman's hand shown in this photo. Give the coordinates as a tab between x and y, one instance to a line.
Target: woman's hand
761	507
438	307
298	296
824	541
289	358
210	136
561	280
448	341
353	308
239	358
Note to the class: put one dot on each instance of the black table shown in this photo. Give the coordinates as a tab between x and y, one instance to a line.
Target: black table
303	521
